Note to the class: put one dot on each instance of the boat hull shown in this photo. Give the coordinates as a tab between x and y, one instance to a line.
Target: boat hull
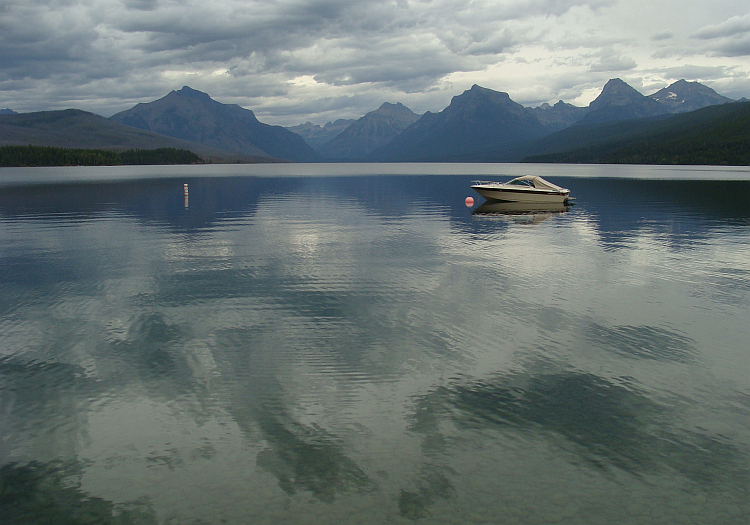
520	195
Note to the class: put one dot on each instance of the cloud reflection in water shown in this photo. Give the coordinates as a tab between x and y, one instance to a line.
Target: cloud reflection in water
606	423
276	339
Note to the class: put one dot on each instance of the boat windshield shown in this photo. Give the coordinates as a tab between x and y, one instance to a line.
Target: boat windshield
522	182
534	182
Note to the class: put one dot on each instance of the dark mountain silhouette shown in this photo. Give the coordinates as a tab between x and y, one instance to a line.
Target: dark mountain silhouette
684	96
7	111
718	134
559	116
478	119
316	135
192	115
73	128
375	129
619	101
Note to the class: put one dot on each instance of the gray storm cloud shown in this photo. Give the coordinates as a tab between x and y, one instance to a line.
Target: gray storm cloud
297	60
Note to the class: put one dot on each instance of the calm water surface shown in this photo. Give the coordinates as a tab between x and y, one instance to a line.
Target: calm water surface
303	348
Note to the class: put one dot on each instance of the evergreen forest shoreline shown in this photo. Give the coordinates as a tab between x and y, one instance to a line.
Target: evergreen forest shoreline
39	156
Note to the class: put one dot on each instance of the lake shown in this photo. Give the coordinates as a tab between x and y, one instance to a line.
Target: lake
354	344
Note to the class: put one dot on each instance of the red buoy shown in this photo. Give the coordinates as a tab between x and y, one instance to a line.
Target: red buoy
469	202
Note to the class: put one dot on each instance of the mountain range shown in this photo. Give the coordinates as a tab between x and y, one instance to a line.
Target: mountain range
74	128
483	124
478	125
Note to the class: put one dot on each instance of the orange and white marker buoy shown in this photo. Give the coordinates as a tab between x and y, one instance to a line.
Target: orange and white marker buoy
469	201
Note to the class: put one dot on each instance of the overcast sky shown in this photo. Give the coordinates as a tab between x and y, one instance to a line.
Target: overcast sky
296	60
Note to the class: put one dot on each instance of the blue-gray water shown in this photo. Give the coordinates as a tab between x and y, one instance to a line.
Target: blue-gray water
303	348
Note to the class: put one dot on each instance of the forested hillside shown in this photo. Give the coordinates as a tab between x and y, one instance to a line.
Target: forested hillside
51	156
717	135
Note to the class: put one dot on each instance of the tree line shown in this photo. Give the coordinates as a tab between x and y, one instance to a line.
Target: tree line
22	156
717	135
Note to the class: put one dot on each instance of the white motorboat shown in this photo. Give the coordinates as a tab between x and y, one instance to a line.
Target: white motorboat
528	188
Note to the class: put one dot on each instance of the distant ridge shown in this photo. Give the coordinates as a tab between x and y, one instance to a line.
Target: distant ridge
684	96
716	135
477	119
316	135
192	115
74	128
619	101
370	132
559	116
